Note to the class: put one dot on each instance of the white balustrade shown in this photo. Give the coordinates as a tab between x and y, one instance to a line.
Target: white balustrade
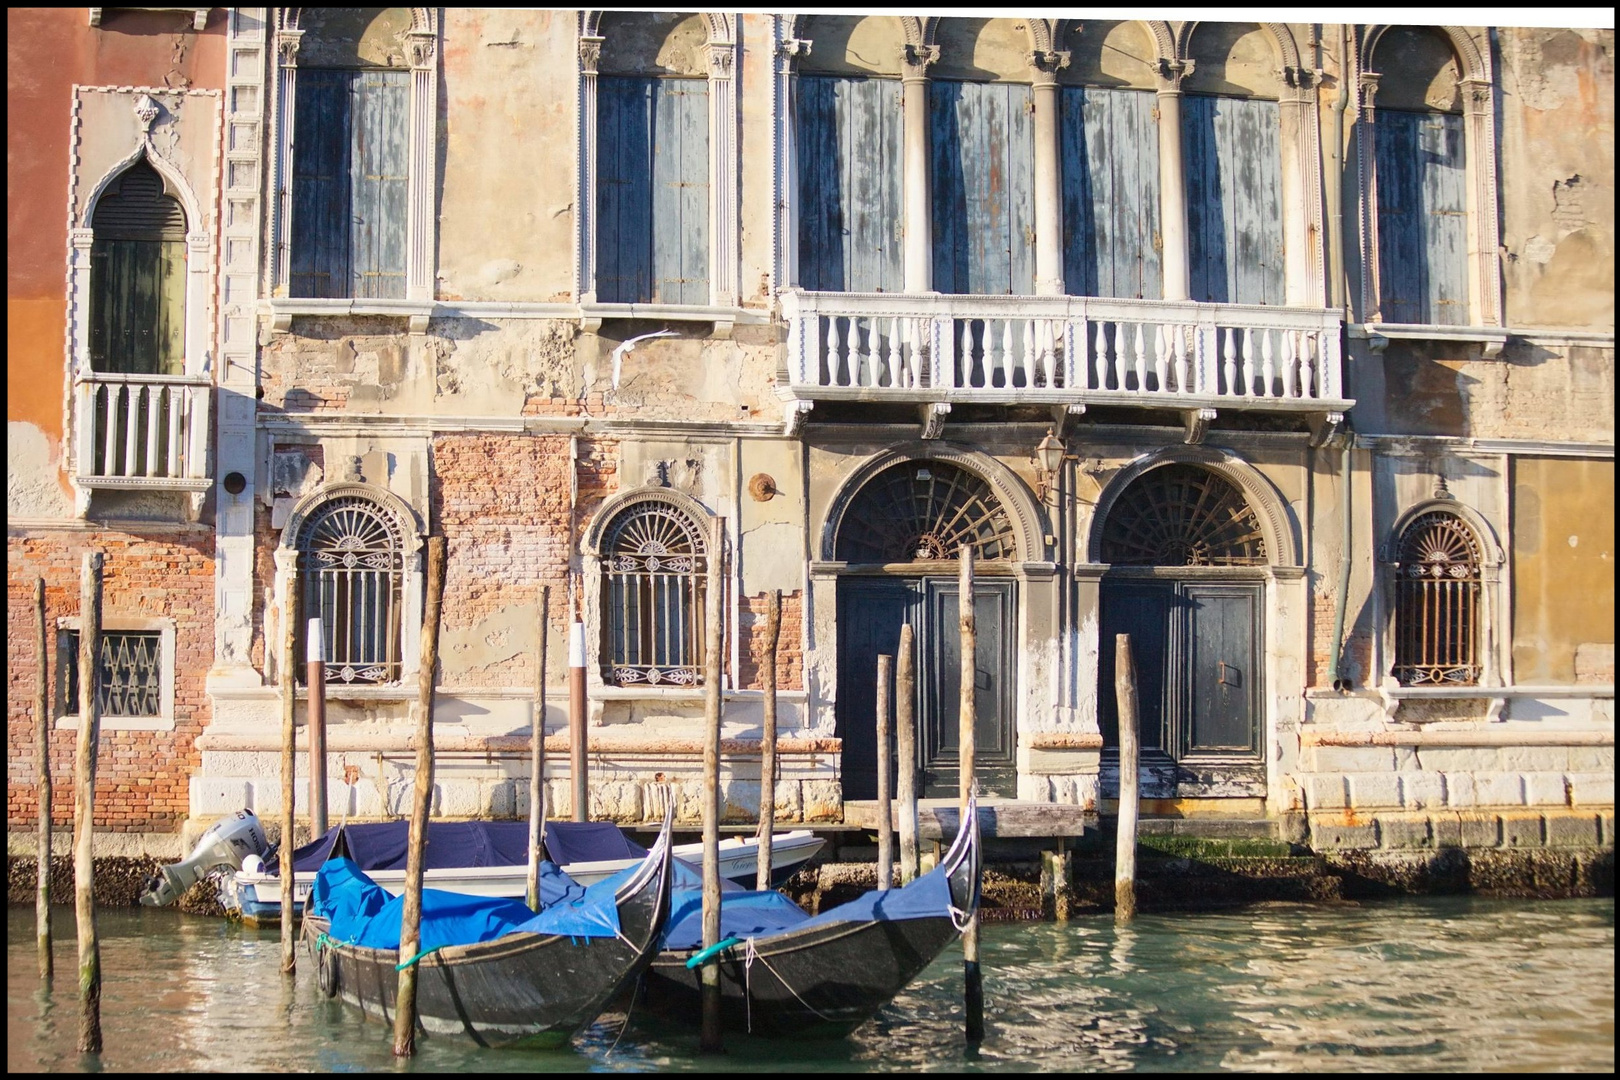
1068	348
141	430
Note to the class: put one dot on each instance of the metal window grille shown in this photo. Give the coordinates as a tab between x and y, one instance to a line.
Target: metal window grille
1437	585
131	672
924	510
353	563
1182	515
654	561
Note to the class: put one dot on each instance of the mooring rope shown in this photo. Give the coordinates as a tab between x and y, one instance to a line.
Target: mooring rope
792	991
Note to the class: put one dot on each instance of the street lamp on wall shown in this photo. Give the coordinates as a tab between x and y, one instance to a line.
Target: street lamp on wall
1049	456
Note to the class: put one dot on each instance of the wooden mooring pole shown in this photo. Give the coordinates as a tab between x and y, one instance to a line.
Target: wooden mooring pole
537	756
767	742
289	769
84	801
315	675
410	928
905	729
709	1035
885	803
577	766
42	752
1125	840
972	978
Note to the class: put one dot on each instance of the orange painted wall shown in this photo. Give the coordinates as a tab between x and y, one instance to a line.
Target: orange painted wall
48	50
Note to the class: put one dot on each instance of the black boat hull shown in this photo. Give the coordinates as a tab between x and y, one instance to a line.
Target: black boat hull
538	989
824	981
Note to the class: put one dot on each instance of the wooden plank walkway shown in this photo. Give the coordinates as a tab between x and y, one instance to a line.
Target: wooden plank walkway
937	818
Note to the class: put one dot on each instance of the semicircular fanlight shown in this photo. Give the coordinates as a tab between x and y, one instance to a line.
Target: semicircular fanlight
1182	515
921	511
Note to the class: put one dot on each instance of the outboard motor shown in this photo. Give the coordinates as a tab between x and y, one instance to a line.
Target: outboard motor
226	843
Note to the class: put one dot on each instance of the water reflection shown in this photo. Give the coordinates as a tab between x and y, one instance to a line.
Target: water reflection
1444	984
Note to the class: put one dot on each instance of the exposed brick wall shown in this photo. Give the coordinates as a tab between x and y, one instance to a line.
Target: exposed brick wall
1356	661
142	777
789	644
501	502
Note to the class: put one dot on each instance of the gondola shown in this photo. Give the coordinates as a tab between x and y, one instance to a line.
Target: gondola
489	967
790	974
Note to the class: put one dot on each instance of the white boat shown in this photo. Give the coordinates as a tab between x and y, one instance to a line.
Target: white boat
255	891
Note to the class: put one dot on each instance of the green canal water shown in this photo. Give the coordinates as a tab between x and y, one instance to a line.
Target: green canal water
1434	984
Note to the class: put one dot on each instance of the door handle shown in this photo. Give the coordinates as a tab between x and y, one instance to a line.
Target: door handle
1226	670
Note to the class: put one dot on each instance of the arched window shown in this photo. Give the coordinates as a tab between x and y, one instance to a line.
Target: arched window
352	564
1109	146
923	511
1421	180
654	565
1182	515
1231	151
138	277
1437	602
848	115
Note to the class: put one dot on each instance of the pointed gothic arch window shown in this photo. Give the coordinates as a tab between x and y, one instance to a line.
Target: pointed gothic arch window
138	277
654	567
352	563
1182	515
921	511
1437	602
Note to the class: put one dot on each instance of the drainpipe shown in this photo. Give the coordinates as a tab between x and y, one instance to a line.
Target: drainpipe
1341	596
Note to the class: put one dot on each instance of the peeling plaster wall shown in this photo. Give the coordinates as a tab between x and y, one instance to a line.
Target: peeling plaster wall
507	104
1557	184
1563	571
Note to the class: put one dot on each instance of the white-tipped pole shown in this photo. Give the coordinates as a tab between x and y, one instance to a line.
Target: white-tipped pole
315	656
576	719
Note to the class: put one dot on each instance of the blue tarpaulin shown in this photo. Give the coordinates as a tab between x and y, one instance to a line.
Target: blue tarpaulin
381	845
362	913
759	915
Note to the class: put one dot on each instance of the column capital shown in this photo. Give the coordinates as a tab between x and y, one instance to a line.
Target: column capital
794	48
1476	94
722	55
1368	82
1171	71
916	58
590	54
287	42
420	45
1046	64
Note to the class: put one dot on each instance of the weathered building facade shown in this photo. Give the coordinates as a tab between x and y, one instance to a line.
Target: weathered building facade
1285	348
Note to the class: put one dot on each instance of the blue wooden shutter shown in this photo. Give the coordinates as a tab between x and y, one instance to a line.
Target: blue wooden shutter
983	187
624	189
320	193
379	116
849	149
1234	199
1110	146
1422	218
680	189
652	169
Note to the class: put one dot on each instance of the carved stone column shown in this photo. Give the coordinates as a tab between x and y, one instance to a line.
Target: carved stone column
723	225
590	54
1172	178
1048	183
287	42
788	52
919	250
1367	181
421	150
1484	243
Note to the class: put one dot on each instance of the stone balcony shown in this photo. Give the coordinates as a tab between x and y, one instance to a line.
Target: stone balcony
1066	352
141	433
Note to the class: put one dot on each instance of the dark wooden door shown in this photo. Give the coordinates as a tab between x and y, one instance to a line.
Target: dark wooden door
870	614
1196	649
940	693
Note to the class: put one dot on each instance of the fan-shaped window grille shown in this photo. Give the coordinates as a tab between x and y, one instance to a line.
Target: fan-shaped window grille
1437	584
923	510
1182	515
654	560
353	563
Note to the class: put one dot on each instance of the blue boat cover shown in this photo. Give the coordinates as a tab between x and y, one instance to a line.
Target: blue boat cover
362	913
759	915
450	844
588	841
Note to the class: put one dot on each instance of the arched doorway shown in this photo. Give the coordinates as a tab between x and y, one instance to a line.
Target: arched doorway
1186	581
899	539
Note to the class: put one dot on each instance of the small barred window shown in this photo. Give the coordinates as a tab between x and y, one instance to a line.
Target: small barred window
654	560
1437	591
131	673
